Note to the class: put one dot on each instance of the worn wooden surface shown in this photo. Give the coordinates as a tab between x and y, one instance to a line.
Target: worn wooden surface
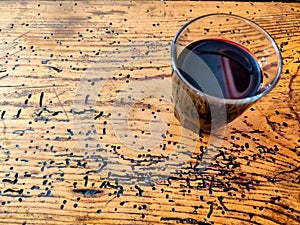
68	70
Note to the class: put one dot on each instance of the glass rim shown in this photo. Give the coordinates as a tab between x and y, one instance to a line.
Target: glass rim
227	100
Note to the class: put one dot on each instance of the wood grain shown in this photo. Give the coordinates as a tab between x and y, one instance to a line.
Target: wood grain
73	73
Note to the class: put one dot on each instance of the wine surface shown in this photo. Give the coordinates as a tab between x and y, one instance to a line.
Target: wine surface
220	68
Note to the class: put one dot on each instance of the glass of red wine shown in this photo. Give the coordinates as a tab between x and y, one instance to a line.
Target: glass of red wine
222	64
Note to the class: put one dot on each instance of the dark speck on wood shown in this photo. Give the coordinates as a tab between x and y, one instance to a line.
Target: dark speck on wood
56	69
99	115
140	191
41	99
88	192
86	180
18	113
19	191
11	181
2	114
211	207
220	198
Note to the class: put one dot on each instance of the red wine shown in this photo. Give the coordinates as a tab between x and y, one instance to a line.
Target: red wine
220	68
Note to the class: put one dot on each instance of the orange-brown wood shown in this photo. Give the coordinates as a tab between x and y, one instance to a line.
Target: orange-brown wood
86	99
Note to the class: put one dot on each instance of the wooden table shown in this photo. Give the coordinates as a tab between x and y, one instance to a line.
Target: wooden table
88	134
